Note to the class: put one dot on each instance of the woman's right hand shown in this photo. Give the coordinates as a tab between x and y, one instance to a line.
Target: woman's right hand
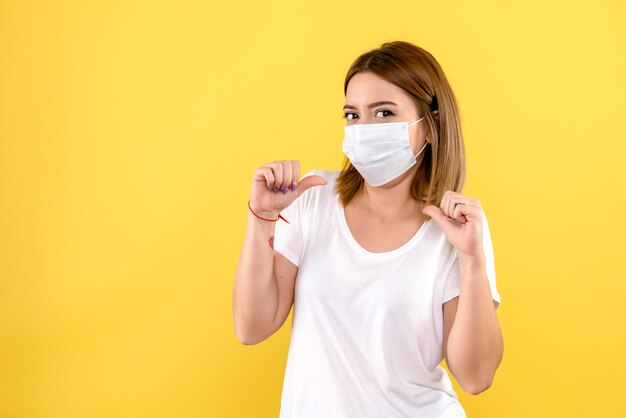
276	185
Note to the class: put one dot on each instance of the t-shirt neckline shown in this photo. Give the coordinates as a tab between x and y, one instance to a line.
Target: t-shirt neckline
343	225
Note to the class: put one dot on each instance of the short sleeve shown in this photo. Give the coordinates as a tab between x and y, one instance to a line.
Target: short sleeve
453	281
289	237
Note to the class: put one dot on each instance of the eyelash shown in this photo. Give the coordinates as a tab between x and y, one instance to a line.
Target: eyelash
345	115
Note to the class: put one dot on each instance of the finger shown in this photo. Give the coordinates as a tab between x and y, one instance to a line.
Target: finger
434	212
447	204
444	201
268	174
265	174
458	212
464	200
308	182
472	201
295	174
456	199
447	225
287	175
464	213
277	169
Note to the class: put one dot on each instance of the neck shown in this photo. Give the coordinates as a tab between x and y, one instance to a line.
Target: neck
392	201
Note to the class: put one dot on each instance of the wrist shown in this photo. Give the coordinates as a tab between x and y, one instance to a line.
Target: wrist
472	262
264	213
266	216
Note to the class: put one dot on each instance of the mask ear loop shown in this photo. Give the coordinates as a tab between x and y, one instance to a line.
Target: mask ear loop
420	151
434	106
416	121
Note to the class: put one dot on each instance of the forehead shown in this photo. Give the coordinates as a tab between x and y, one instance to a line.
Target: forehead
364	88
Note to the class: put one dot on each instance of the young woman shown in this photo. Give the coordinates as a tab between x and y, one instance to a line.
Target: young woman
389	267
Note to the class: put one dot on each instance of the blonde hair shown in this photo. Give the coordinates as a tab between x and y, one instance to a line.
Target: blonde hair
416	71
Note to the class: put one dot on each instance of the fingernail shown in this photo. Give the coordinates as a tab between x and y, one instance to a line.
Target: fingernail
293	186
276	188
284	189
271	186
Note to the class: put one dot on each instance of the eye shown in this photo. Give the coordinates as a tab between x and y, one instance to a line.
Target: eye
346	116
388	111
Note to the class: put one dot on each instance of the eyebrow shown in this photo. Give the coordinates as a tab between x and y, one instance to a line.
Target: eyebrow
385	102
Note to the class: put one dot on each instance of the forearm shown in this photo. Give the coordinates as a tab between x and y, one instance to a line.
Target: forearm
475	344
255	293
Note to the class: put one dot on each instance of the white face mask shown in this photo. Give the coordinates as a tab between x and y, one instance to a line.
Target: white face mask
381	152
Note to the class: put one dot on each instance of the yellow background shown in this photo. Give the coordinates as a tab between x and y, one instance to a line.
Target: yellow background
129	132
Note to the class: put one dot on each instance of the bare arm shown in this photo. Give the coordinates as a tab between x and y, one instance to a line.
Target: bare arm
473	342
264	285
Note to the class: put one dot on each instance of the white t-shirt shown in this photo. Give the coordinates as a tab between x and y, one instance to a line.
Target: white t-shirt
367	330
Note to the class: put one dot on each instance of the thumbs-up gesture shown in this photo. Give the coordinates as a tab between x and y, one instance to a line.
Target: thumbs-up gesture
461	220
277	184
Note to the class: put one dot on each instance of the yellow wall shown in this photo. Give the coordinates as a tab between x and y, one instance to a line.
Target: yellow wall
128	136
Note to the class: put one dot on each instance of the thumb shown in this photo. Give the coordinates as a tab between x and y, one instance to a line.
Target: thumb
308	182
437	214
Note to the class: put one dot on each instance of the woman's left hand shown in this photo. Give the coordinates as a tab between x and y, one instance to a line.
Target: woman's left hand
461	220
